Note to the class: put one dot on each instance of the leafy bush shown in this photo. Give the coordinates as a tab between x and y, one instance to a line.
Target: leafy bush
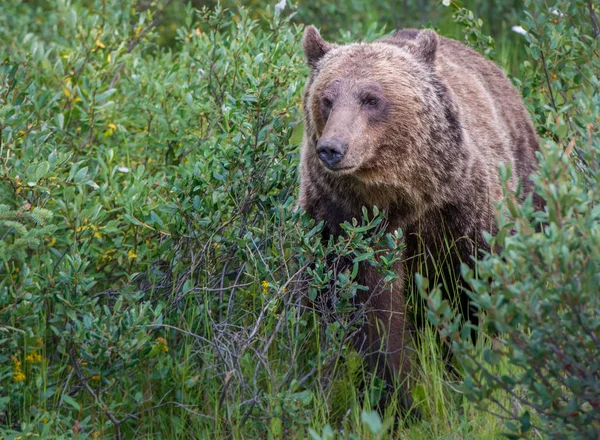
152	261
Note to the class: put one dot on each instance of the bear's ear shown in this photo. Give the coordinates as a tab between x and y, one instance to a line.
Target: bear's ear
425	46
403	35
314	46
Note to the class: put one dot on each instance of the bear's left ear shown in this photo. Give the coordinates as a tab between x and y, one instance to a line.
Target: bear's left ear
314	46
425	46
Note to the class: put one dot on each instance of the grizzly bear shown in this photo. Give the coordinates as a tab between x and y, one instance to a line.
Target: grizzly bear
417	125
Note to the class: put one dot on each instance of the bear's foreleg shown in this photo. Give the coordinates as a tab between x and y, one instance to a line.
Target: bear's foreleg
386	337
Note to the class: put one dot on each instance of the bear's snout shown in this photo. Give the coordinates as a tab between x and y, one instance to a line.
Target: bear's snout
331	151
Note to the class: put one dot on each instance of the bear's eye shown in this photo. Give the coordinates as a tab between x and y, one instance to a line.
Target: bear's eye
371	101
327	105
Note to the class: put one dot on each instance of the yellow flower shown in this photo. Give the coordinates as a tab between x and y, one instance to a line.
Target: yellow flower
52	241
107	255
112	126
95	377
100	44
18	375
161	344
131	255
265	285
33	358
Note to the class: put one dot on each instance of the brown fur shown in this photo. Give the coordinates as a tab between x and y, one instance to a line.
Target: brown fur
426	122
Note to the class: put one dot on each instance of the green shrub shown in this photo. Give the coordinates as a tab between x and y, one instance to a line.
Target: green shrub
152	261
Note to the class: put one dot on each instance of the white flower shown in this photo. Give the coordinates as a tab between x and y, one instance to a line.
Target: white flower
556	12
446	2
280	6
123	169
519	30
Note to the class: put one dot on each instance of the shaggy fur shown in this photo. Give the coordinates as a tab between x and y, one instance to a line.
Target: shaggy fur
424	123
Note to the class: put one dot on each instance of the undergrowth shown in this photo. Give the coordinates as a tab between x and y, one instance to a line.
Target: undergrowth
156	280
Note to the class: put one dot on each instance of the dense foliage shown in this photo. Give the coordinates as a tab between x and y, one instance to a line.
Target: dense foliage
156	279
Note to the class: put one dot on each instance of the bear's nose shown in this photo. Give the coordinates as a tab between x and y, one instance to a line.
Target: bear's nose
331	150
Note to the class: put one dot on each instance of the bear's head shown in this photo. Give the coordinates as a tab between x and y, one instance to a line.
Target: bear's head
378	113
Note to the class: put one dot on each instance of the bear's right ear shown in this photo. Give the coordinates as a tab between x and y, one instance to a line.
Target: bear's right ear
426	44
314	46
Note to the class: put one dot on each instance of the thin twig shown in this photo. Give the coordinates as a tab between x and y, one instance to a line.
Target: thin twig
96	397
594	19
553	102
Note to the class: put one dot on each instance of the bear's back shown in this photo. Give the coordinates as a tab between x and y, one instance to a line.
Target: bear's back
492	103
490	108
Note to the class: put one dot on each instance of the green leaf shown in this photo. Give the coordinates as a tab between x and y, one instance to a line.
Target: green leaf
80	176
60	121
68	399
372	421
132	220
365	256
